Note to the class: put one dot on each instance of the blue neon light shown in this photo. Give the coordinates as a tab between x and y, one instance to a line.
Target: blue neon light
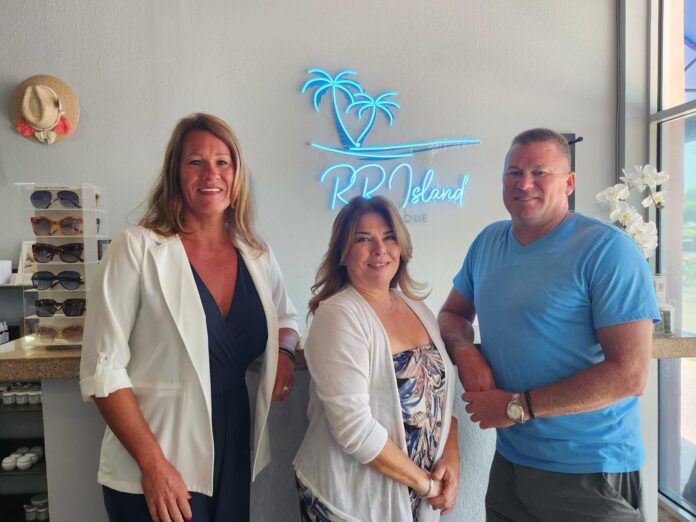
337	84
373	176
364	102
408	150
348	96
362	155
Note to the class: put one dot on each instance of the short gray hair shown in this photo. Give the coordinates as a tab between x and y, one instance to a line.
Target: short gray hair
543	135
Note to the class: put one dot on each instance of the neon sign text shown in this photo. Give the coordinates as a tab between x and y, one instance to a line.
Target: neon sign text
349	98
348	181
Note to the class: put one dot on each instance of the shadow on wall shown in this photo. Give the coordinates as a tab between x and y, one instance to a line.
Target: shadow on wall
6	88
273	494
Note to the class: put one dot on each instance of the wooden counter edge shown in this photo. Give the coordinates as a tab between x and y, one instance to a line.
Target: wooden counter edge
38	363
674	347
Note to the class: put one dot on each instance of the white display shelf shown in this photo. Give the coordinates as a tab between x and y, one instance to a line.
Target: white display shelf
63	249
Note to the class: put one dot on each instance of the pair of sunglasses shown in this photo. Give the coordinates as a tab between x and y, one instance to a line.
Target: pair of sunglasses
70	307
68	279
68	226
68	253
44	198
48	334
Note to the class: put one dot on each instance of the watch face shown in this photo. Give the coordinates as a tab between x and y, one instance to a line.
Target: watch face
515	412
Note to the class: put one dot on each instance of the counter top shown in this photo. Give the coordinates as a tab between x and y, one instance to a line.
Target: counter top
49	362
674	347
18	362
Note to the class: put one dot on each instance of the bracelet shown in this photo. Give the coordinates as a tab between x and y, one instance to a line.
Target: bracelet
430	488
528	399
287	351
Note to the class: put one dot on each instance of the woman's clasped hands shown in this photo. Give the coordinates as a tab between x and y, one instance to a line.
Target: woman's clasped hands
445	477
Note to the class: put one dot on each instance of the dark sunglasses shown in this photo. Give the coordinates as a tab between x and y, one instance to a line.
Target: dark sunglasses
68	226
68	279
48	334
44	198
70	307
68	253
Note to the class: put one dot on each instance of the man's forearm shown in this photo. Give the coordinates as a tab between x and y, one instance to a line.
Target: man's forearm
588	390
456	332
622	374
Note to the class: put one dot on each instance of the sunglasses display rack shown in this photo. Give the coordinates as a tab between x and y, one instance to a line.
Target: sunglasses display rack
68	225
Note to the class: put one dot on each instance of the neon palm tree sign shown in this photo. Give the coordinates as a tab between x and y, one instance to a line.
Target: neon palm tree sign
350	100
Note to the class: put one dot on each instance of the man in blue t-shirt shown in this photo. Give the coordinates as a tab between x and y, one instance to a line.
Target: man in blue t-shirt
565	307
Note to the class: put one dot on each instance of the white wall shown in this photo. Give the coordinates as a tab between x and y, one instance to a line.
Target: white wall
484	69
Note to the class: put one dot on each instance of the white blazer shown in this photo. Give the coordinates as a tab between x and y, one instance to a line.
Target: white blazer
354	406
145	329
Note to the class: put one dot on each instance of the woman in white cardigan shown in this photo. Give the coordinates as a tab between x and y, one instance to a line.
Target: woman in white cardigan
180	307
382	441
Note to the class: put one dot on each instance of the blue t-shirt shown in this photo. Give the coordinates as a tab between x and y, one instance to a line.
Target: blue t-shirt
539	307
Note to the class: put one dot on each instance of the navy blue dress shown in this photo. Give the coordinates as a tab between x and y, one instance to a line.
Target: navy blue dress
233	343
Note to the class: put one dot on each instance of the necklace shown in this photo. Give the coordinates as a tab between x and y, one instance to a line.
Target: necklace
380	304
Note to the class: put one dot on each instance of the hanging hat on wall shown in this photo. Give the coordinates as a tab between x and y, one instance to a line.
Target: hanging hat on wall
44	109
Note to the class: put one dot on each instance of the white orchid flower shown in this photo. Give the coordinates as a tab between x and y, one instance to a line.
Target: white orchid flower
656	198
607	201
612	203
618	192
645	236
653	178
623	213
636	225
634	178
644	176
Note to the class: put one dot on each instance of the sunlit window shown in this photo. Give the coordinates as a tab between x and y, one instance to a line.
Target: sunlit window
677	153
678	36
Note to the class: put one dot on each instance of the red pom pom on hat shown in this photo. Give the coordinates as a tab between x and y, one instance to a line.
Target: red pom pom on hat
63	126
24	128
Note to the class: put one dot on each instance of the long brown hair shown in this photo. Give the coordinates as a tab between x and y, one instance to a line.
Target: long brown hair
165	211
332	275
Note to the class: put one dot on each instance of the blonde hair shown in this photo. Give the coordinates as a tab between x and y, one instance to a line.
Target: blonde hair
332	275
165	210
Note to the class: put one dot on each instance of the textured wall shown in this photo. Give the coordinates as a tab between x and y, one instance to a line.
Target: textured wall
485	69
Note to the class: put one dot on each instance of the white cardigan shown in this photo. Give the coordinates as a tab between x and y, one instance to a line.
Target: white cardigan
354	406
146	330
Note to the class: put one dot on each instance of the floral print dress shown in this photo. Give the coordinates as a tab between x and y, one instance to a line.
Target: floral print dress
420	378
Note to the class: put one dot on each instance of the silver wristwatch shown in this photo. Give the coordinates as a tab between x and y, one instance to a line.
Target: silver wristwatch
514	411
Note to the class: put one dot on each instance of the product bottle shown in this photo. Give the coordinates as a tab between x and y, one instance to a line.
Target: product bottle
665	326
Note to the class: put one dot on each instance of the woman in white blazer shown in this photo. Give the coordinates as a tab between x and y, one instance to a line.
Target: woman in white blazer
382	441
181	305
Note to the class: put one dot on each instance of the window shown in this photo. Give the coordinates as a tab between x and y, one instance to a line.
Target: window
678	53
675	123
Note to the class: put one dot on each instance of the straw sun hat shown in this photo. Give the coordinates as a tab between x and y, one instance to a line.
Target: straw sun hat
44	109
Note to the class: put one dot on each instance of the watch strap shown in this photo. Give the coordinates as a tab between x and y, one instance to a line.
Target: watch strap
528	400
